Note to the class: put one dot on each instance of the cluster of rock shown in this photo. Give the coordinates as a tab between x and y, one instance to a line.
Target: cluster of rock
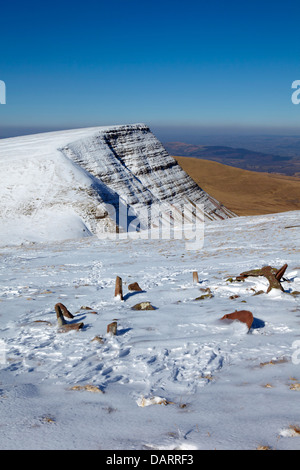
274	277
62	313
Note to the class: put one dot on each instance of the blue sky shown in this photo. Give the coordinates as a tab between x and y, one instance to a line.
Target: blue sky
216	65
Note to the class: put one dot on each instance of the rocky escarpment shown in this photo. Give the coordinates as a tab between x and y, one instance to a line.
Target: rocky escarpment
68	184
137	170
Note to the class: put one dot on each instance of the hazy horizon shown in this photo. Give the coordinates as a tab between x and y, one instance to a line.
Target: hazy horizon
268	140
189	131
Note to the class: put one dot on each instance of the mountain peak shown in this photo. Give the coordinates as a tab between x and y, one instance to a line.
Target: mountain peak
74	175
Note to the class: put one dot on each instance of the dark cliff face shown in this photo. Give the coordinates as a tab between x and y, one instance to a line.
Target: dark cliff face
136	168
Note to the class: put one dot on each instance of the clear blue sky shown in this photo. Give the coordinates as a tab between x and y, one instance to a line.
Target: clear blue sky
217	64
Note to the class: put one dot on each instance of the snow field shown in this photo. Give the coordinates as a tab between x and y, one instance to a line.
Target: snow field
219	386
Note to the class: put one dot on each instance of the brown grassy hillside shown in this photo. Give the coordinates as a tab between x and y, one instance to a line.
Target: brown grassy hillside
244	192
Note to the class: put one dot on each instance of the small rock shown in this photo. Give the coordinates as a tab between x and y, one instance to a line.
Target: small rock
88	310
70	326
274	361
87	388
153	401
48	419
134	287
143	306
204	296
258	293
112	328
99	339
295	386
43	322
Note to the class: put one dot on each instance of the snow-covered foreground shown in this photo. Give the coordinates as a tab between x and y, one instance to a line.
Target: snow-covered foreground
204	383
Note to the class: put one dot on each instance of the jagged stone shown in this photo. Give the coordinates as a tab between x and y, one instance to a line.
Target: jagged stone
63	311
243	316
112	328
281	272
273	275
118	288
134	287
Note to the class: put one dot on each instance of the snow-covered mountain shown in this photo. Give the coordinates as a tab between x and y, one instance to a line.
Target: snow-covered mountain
176	377
59	185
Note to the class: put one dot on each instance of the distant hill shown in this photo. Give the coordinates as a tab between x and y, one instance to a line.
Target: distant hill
242	191
238	157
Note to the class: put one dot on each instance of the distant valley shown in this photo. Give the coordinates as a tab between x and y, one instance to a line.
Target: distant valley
238	157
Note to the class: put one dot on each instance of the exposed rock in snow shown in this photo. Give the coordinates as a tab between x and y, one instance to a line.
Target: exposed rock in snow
135	166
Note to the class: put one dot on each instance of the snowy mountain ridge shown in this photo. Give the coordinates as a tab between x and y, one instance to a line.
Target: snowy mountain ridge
57	185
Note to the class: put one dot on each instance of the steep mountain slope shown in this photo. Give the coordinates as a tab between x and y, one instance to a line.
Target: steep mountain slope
63	184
